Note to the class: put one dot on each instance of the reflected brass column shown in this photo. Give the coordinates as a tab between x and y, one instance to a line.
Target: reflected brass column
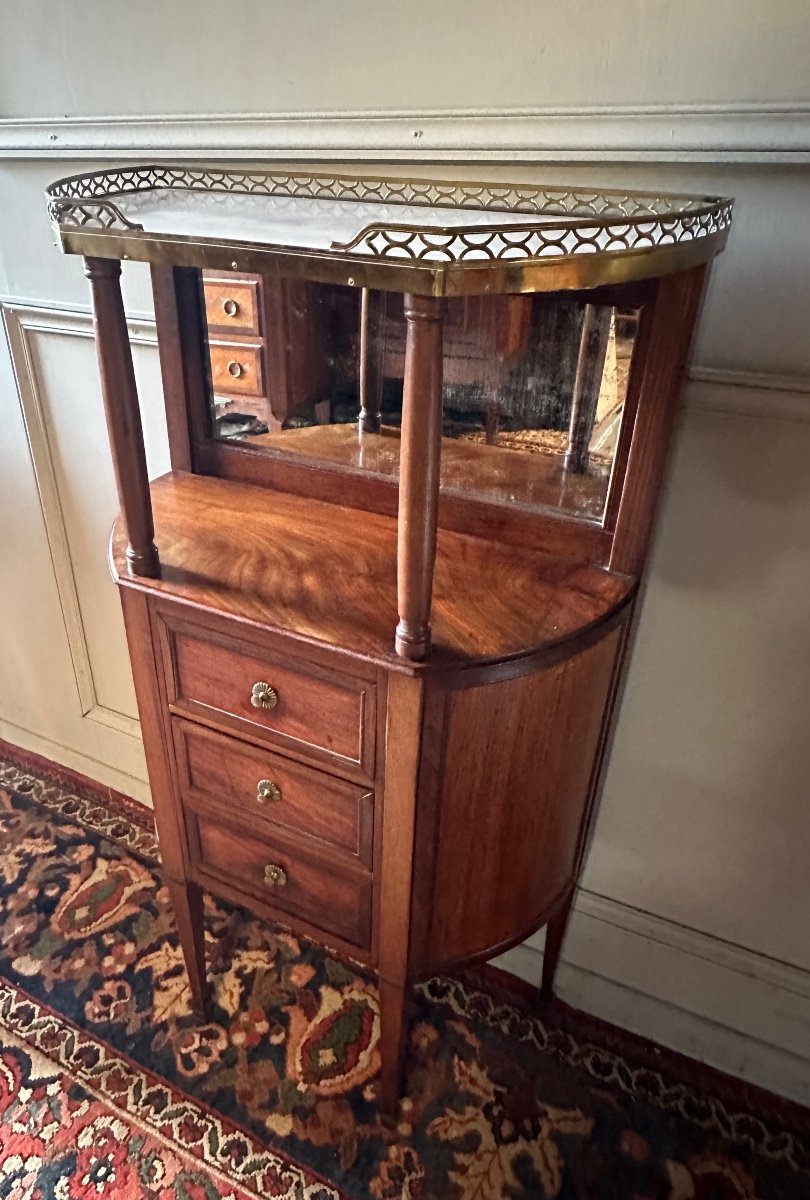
587	385
372	317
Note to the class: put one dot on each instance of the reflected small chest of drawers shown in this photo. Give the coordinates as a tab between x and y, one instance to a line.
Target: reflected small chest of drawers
263	361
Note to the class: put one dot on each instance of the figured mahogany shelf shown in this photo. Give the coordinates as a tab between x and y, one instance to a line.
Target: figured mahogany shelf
494	472
327	574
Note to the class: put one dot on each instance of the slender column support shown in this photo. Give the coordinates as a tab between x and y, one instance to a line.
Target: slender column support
123	414
590	368
419	473
372	317
656	378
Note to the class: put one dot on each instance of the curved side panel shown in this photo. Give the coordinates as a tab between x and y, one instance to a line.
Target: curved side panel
503	796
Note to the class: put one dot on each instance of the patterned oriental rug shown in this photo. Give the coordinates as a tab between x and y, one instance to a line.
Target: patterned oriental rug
110	1088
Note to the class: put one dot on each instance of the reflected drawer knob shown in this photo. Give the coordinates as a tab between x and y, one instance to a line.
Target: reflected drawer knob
274	876
267	792
235	369
263	696
230	307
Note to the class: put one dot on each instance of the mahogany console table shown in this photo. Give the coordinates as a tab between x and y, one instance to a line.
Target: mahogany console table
377	646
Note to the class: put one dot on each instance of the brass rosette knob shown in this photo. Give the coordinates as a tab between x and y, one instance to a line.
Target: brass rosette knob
263	696
267	792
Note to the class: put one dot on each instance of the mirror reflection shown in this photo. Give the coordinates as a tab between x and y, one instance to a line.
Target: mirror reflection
534	386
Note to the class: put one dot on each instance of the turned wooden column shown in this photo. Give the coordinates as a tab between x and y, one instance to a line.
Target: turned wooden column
587	383
419	473
123	415
372	317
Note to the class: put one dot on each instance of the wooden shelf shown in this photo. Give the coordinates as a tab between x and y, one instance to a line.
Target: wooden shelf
327	574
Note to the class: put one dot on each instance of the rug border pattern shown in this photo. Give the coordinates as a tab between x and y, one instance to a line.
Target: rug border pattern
609	1068
65	1045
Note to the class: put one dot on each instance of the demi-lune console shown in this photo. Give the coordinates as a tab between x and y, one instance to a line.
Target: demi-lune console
379	609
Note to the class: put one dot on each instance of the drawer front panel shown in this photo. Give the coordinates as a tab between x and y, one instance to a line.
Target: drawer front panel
254	406
275	791
313	710
314	889
231	305
236	367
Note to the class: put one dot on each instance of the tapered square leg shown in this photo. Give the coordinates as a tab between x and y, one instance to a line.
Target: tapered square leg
187	902
555	936
395	1003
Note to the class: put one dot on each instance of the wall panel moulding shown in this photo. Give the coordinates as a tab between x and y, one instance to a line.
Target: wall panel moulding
716	133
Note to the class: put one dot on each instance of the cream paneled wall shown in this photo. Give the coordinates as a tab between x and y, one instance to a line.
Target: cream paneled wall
693	924
337	56
84	705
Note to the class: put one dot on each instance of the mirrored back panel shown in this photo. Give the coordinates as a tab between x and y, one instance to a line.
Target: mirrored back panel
533	400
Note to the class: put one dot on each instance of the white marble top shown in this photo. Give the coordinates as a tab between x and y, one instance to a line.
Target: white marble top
420	221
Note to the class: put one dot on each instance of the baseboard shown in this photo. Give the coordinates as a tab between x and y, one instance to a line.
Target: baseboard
724	1005
82	764
704	133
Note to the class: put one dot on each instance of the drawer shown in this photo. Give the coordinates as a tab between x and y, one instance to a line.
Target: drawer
332	899
255	406
231	305
236	367
297	705
275	791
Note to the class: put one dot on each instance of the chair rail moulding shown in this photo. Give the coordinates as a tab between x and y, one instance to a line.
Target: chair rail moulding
710	133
